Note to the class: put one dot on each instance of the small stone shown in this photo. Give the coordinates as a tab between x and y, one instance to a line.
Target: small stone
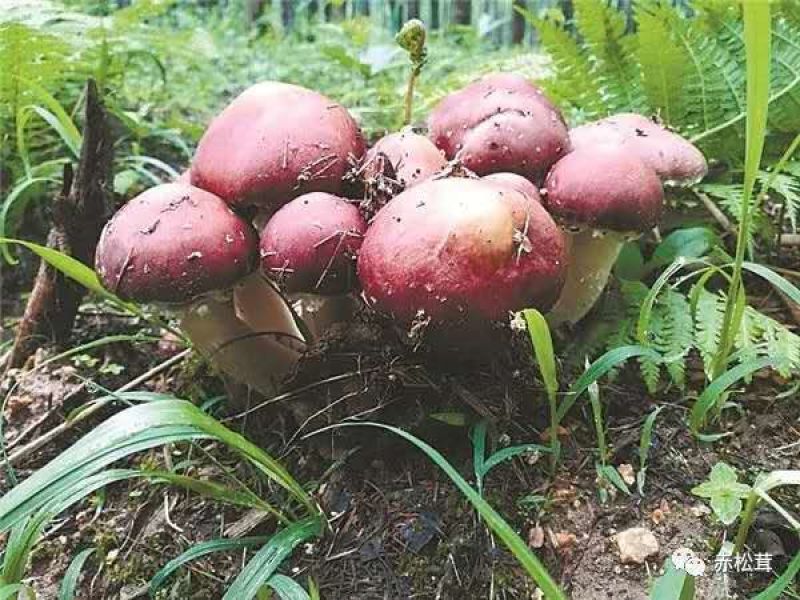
563	540
657	516
627	473
536	537
700	510
636	545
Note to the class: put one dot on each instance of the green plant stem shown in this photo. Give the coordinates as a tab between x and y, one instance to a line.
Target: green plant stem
409	98
748	514
757	33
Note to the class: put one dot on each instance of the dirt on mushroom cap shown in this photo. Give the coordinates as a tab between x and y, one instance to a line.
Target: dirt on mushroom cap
274	142
604	187
460	249
310	244
172	243
674	158
412	158
500	123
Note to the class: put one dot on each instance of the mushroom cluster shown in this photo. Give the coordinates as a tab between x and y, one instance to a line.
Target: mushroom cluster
266	240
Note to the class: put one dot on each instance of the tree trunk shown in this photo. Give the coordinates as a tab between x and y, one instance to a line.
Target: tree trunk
79	213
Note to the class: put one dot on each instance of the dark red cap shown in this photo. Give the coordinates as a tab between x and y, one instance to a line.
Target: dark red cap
173	243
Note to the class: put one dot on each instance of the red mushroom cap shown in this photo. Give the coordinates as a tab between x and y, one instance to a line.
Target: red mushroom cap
674	158
604	187
515	182
413	158
274	142
172	243
457	249
310	244
500	123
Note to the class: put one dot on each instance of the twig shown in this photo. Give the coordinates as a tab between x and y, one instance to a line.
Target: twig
790	239
718	215
34	445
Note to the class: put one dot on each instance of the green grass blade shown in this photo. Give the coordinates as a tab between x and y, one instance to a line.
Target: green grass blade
266	561
600	367
66	127
510	452
69	585
198	551
12	591
674	584
287	588
15	203
757	38
647	306
778	282
75	270
598	421
645	441
542	342
63	126
478	439
493	520
775	591
543	348
313	590
133	430
714	393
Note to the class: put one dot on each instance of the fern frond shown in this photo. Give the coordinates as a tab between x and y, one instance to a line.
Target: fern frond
603	31
708	317
788	186
574	83
663	63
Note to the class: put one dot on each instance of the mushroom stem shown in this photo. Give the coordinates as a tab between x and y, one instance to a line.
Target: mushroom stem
259	352
592	256
320	312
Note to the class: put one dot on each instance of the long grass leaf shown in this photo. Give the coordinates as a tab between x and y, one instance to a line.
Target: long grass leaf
75	270
775	591
493	520
600	367
133	430
199	551
266	561
778	282
69	585
713	394
757	38
287	588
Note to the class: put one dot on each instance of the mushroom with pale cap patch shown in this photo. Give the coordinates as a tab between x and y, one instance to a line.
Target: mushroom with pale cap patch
179	245
459	251
515	182
501	122
603	195
309	247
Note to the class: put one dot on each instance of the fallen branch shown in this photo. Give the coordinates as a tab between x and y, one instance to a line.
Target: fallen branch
79	213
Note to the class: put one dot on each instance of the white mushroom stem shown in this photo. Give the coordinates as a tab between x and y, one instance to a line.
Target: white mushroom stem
320	312
592	256
259	350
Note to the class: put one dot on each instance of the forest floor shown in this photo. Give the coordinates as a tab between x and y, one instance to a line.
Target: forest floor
398	527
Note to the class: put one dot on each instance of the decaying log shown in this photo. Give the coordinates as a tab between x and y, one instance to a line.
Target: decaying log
79	213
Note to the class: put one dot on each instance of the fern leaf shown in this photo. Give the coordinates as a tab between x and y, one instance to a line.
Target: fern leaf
708	317
663	63
574	82
603	31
